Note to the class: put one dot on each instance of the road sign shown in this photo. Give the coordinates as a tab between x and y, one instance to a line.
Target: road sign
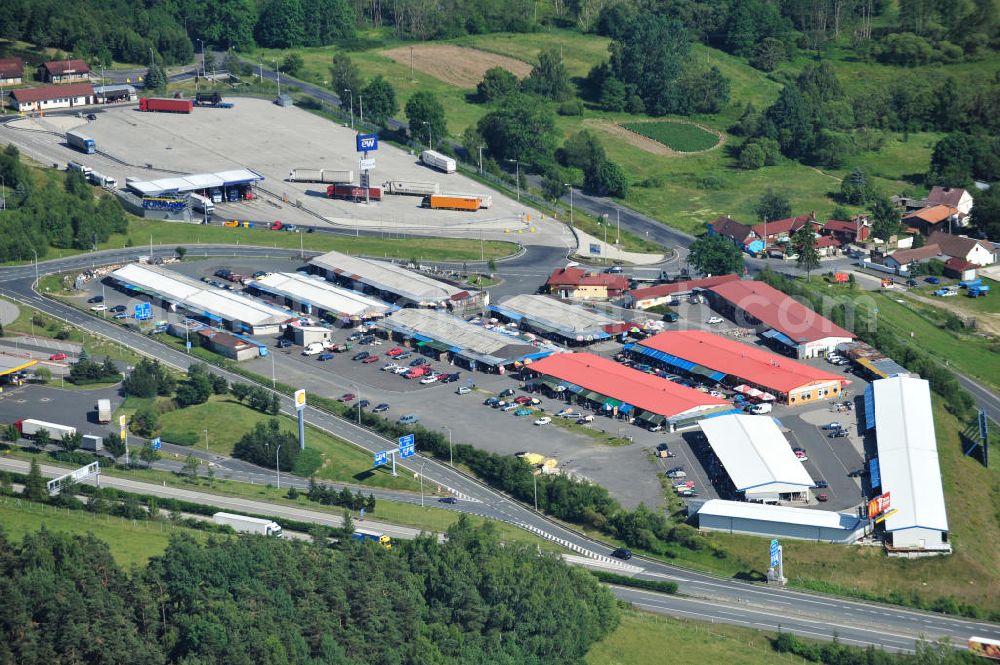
155	443
407	446
878	505
143	311
775	553
367	164
382	458
187	344
300	399
367	142
595	248
123	433
122	421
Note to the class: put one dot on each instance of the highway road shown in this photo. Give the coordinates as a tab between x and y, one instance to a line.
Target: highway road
880	624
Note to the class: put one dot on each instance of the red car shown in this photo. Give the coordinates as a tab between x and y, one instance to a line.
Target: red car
418	371
523	399
369	360
347	397
58	356
392	353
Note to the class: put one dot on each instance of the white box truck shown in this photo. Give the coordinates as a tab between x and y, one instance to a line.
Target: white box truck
438	161
104	411
102	180
92	443
410	188
244	524
30	427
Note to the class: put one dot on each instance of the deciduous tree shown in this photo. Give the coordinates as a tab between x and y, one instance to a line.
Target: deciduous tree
715	255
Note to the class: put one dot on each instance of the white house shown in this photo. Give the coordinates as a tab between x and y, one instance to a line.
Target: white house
954	197
979	252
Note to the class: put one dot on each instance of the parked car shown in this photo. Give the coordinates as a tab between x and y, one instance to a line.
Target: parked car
679	467
511	407
118	308
392	353
121	315
802	457
409	419
820	484
688	494
856	473
369	360
760	409
381	408
523	399
95	299
713	320
347	397
353	337
364	404
544	420
389	367
836	434
676	474
404	355
283	343
523	412
418	362
451	378
585	419
932	280
58	356
325	356
429	379
822	497
654	428
98	308
489	401
361	355
509	392
622	553
463	390
572	415
402	369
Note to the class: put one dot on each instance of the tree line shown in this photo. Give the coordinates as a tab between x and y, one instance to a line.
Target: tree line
46	210
265	600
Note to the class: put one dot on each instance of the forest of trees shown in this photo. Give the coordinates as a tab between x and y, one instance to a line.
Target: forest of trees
259	600
44	211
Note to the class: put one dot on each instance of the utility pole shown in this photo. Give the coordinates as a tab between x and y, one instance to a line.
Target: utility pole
570	203
361	107
517	177
351	93
278	71
618	234
481	160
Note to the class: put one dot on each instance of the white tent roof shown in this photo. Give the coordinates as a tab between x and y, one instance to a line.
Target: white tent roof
389	277
755	453
784	514
321	293
907	454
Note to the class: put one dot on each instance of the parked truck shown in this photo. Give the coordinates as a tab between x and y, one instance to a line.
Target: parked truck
374	536
353	192
212	99
969	283
436	160
977	291
81	142
76	166
334	176
410	188
451	202
166	105
102	180
104	411
31	427
244	524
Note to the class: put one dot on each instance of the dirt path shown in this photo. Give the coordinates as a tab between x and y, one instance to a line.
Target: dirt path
457	65
649	145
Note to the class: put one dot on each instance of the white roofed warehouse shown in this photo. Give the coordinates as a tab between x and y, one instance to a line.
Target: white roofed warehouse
395	284
908	466
566	323
177	293
317	297
757	519
757	458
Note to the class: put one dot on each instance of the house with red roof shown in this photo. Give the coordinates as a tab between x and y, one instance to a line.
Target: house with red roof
978	252
51	97
785	322
663	294
576	283
11	71
739	234
960	269
856	230
703	354
933	218
600	383
779	230
64	71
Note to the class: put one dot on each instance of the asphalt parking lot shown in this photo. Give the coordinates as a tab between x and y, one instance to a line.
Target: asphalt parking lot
74	408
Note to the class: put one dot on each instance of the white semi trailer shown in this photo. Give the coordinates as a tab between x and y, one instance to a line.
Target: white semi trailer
438	161
410	188
332	176
244	524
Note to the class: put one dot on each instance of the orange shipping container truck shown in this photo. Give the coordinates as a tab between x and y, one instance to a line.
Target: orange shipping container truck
452	202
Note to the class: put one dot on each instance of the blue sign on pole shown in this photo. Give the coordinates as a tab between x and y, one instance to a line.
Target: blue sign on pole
595	248
143	311
156	443
775	553
381	458
367	142
407	446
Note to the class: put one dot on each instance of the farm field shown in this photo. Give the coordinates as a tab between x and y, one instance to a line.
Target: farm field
679	136
455	65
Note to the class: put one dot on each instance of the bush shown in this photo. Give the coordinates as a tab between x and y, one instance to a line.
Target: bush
571	108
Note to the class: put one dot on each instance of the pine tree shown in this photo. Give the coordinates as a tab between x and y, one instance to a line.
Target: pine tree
34	484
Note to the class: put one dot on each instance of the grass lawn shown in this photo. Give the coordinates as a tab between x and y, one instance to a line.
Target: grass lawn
130	542
227	421
679	136
647	639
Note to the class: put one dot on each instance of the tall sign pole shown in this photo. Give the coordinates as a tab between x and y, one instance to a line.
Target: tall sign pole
776	572
300	407
123	425
366	143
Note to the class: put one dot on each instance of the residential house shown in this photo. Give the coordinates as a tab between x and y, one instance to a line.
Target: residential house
51	97
902	260
978	252
64	71
959	269
934	218
780	230
856	230
574	282
11	71
664	294
739	234
953	197
827	246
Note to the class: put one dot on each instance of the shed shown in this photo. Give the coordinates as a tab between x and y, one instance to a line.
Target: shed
284	101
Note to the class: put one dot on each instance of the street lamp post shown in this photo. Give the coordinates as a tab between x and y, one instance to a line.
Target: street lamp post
517	176
534	480
274	383
3	184
36	264
570	202
361	107
451	452
206	439
481	159
421	474
202	42
277	468
277	70
351	93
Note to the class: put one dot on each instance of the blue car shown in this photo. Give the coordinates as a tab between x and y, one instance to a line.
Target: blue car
932	280
326	356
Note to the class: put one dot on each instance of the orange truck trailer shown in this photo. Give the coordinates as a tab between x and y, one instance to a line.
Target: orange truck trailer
451	202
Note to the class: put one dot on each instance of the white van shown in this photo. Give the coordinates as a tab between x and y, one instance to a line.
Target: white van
760	409
313	349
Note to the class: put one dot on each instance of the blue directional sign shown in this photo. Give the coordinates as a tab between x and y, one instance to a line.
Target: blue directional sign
382	458
367	142
775	553
143	311
407	446
155	443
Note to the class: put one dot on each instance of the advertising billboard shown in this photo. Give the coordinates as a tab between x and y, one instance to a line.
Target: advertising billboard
367	142
300	399
985	647
878	505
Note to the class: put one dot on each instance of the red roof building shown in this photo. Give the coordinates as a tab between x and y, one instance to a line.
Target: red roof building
857	230
64	71
651	296
782	228
791	323
11	71
960	269
739	234
646	396
790	381
51	97
933	218
574	282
